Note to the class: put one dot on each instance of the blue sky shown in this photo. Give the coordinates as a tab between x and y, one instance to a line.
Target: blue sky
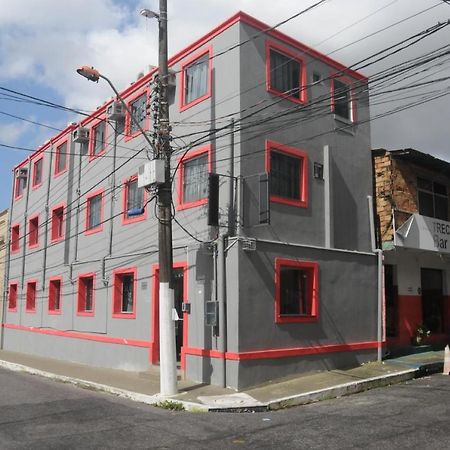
42	42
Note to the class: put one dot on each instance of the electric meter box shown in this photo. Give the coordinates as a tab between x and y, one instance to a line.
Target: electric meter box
151	173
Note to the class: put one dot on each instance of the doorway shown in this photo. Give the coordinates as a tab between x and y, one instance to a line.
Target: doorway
391	300
432	300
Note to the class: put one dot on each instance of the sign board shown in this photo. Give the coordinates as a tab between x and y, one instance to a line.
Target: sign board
424	233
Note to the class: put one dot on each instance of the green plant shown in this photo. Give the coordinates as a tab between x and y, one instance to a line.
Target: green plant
170	404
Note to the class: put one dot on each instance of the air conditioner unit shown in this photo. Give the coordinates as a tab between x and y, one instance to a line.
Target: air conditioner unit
152	172
21	172
115	111
81	135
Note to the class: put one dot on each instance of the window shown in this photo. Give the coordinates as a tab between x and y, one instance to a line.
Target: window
86	289
37	172
94	212
12	297
342	103
196	79
285	72
61	159
288	172
433	199
133	201
139	111
15	238
57	223
124	295
33	232
54	295
193	178
98	139
296	291
20	185
31	296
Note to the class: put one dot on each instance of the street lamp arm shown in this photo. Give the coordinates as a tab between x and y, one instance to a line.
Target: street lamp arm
94	75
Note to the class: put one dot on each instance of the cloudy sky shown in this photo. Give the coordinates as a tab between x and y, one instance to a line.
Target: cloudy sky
42	42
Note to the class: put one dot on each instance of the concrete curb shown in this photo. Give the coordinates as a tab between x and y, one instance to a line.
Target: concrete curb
328	393
85	384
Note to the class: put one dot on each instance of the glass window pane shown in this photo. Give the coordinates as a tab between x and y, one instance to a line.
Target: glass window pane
341	98
285	175
195	179
294	292
441	207
426	204
38	172
88	293
196	79
127	293
135	195
284	74
61	155
439	188
139	112
95	204
99	138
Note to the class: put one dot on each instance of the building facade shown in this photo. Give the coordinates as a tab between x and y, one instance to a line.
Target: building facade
283	282
3	245
412	205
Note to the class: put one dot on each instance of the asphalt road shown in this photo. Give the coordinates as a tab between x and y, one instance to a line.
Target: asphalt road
36	413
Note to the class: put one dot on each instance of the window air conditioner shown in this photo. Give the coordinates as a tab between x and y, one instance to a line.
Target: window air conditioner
115	111
21	172
81	135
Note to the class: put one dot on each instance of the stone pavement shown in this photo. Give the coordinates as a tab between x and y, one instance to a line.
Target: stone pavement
301	389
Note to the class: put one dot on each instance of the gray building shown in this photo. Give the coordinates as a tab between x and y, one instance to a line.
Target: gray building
285	282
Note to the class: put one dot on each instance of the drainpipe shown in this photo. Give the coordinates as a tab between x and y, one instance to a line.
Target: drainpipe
24	247
379	254
7	264
77	215
328	211
47	217
222	300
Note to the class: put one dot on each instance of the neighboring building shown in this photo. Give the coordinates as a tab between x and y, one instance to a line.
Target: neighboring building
297	278
3	241
412	203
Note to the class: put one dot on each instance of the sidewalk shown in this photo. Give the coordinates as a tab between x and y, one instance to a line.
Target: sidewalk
302	389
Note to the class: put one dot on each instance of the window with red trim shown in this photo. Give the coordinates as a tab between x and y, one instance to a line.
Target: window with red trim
133	201
193	178
124	294
12	297
20	185
15	238
31	296
57	223
61	158
196	79
296	290
342	102
98	134
86	289
38	166
54	295
138	108
33	232
285	73
94	212
288	171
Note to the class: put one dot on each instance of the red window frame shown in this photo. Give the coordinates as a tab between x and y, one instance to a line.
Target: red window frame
312	268
19	187
56	170
57	223
34	184
303	93
15	238
146	125
92	141
54	295
81	297
125	219
12	296
352	105
30	306
98	228
117	292
33	231
207	149
302	201
189	62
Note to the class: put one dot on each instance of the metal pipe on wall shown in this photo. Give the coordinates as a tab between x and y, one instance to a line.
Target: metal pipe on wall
222	300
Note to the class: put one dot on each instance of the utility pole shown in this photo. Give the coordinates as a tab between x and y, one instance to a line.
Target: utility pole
167	348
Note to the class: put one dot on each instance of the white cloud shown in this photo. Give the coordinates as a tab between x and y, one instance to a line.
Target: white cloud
11	132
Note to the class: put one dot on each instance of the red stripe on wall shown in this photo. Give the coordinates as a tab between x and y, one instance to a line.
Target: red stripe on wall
283	352
78	335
